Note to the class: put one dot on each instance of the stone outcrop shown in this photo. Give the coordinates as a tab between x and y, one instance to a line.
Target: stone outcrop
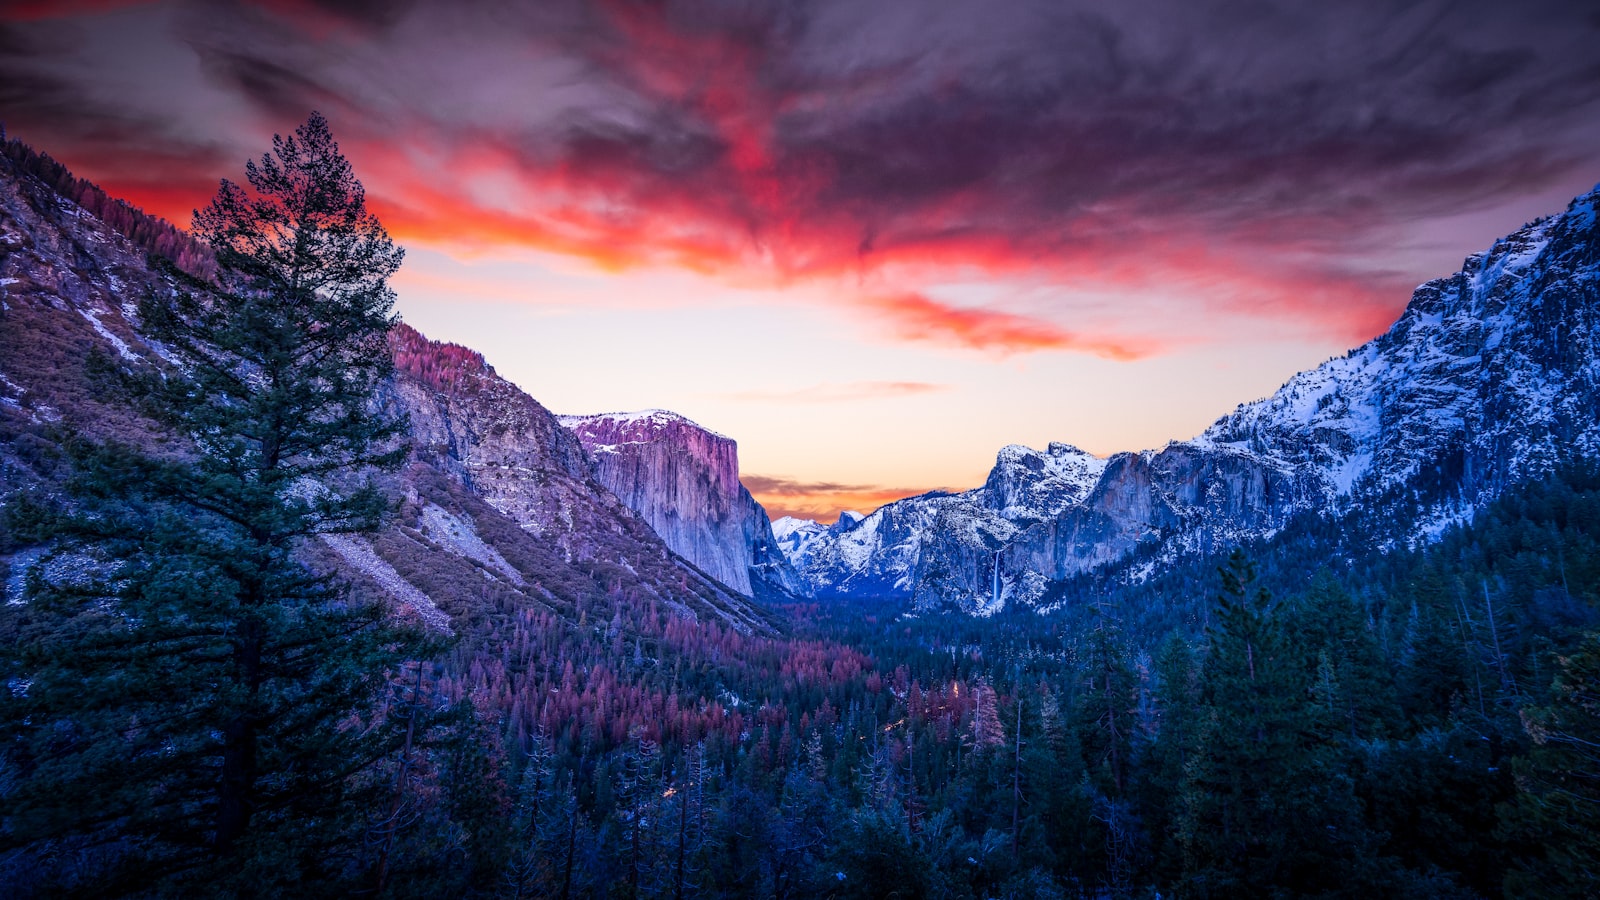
684	480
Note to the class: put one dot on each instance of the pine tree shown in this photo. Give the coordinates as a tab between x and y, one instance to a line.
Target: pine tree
196	690
1264	809
529	866
1558	801
639	807
1177	716
691	839
986	729
1107	709
1352	680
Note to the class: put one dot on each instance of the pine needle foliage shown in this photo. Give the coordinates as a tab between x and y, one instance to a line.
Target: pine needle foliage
192	703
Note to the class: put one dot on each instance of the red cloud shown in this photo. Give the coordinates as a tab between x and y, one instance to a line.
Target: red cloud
721	159
617	218
917	318
34	10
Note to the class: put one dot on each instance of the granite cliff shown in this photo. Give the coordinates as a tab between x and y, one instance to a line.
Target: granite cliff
684	480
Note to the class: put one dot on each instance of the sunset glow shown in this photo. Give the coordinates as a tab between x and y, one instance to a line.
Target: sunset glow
872	242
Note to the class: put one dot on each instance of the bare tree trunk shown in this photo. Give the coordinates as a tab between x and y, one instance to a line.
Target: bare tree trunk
1111	725
683	843
1507	683
234	806
1466	649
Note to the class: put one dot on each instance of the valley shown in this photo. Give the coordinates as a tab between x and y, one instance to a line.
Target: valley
1346	629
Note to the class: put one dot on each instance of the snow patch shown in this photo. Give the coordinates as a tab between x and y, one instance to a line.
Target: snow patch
656	418
458	536
22	562
93	317
360	555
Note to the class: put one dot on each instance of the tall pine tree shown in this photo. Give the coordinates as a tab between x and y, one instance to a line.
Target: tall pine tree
194	692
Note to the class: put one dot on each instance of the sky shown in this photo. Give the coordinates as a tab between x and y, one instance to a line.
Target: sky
872	242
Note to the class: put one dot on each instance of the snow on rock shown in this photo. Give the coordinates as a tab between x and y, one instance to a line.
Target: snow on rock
1489	375
457	535
796	537
641	424
21	563
361	557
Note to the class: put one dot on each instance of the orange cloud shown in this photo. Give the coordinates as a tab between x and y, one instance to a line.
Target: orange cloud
821	500
430	191
719	161
618	218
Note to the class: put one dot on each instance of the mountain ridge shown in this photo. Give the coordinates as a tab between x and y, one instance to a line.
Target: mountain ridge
497	505
1489	374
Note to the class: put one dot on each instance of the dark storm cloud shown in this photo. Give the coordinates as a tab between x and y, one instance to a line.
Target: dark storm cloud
42	102
1255	155
368	13
1278	115
280	91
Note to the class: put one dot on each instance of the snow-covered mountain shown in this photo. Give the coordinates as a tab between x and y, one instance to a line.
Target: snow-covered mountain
1489	375
683	479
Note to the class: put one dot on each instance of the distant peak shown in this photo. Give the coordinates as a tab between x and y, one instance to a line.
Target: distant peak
650	417
787	526
1054	449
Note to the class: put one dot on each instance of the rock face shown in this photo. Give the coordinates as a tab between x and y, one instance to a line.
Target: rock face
684	480
1490	375
499	507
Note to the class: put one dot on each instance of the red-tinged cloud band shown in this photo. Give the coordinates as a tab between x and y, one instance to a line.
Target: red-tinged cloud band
917	318
1228	166
32	10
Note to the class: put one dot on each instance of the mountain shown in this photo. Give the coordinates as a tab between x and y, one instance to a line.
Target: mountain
1489	375
498	505
684	480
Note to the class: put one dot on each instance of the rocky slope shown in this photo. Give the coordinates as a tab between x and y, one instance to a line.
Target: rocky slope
499	506
1490	375
684	480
